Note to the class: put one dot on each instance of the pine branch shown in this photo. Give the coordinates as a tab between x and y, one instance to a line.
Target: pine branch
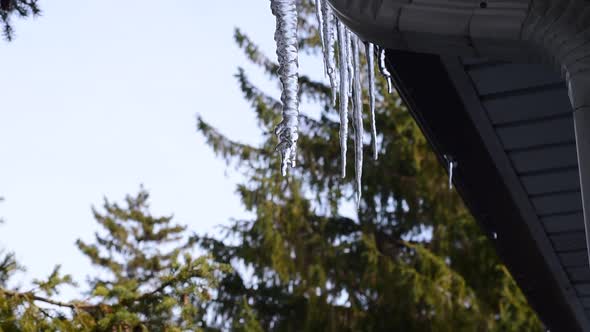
19	8
32	296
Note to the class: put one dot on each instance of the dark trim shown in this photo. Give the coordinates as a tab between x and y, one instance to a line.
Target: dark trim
582	129
424	83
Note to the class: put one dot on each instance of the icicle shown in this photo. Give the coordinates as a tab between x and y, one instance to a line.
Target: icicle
285	12
329	22
452	164
343	57
384	71
370	53
318	14
451	168
345	82
357	117
349	60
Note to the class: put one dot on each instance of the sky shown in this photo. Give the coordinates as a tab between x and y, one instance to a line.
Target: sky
100	97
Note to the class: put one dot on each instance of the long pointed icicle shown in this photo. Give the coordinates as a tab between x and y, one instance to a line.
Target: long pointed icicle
343	65
357	117
329	28
285	12
349	60
384	71
320	18
370	53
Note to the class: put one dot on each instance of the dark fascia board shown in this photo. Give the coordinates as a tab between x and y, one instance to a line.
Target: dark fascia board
433	100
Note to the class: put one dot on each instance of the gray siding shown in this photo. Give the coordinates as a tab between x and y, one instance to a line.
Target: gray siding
529	109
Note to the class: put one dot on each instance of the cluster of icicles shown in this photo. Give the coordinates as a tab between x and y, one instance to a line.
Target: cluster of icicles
344	72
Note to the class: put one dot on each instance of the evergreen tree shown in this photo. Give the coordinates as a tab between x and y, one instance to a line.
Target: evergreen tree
148	280
19	8
412	259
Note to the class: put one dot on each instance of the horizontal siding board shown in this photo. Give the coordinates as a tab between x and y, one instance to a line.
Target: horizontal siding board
575	258
557	203
563	180
509	76
537	133
528	106
564	223
569	241
544	159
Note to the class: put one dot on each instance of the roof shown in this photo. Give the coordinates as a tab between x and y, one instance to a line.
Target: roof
520	132
510	128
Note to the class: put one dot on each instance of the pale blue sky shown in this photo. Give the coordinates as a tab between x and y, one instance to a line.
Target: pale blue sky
99	97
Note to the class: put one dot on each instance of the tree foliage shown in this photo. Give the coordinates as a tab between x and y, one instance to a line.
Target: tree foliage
148	279
410	259
18	8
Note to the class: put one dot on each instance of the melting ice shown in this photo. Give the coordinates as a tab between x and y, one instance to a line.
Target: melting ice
343	72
